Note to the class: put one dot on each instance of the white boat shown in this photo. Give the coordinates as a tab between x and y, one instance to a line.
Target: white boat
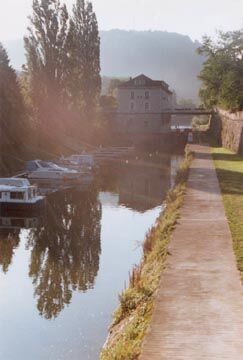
82	162
18	194
39	169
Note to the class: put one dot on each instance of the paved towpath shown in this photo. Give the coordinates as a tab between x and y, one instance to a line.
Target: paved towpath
199	307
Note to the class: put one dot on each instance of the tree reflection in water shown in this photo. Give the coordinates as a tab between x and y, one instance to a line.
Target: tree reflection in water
65	251
9	241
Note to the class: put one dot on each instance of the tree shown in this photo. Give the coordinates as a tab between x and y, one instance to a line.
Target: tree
46	63
113	85
222	73
63	67
84	52
12	110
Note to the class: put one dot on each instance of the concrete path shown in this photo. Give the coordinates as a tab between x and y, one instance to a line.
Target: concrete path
199	307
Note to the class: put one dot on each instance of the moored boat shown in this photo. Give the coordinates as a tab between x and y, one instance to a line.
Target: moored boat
18	195
39	169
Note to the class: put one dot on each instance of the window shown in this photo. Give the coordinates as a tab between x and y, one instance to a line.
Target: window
44	164
146	106
132	94
132	106
146	94
139	82
17	195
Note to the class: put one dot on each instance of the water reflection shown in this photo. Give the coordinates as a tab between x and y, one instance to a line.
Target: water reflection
65	252
56	255
141	183
9	241
10	228
143	187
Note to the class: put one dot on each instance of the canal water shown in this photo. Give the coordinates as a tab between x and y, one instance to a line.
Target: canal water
61	270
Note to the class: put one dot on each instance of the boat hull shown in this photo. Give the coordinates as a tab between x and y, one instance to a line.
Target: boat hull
44	176
8	208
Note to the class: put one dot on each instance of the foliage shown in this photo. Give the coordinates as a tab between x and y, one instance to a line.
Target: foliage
11	104
44	73
186	103
107	102
222	73
83	47
61	78
136	303
113	85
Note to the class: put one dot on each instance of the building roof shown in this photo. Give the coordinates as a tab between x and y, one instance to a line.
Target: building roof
143	81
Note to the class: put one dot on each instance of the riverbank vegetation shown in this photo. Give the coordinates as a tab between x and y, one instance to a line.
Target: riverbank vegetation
229	167
132	317
222	73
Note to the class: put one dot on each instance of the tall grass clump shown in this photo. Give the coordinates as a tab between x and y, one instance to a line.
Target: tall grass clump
136	302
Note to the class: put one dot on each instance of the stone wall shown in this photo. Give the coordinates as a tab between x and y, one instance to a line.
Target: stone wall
228	130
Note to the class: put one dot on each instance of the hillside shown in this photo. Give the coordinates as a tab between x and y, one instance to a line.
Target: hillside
158	54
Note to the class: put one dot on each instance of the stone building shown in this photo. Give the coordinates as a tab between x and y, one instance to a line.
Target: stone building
142	107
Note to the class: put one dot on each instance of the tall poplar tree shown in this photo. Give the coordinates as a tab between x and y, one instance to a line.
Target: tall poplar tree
84	48
46	63
63	67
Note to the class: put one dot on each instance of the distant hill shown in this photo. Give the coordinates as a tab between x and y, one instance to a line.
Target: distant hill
158	54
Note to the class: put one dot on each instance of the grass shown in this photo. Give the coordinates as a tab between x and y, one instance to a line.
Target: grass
132	317
229	168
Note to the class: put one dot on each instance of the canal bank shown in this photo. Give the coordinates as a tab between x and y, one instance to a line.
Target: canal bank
196	312
132	318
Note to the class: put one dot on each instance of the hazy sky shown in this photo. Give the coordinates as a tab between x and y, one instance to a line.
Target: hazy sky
189	17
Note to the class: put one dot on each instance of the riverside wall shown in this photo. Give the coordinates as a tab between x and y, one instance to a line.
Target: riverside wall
227	128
